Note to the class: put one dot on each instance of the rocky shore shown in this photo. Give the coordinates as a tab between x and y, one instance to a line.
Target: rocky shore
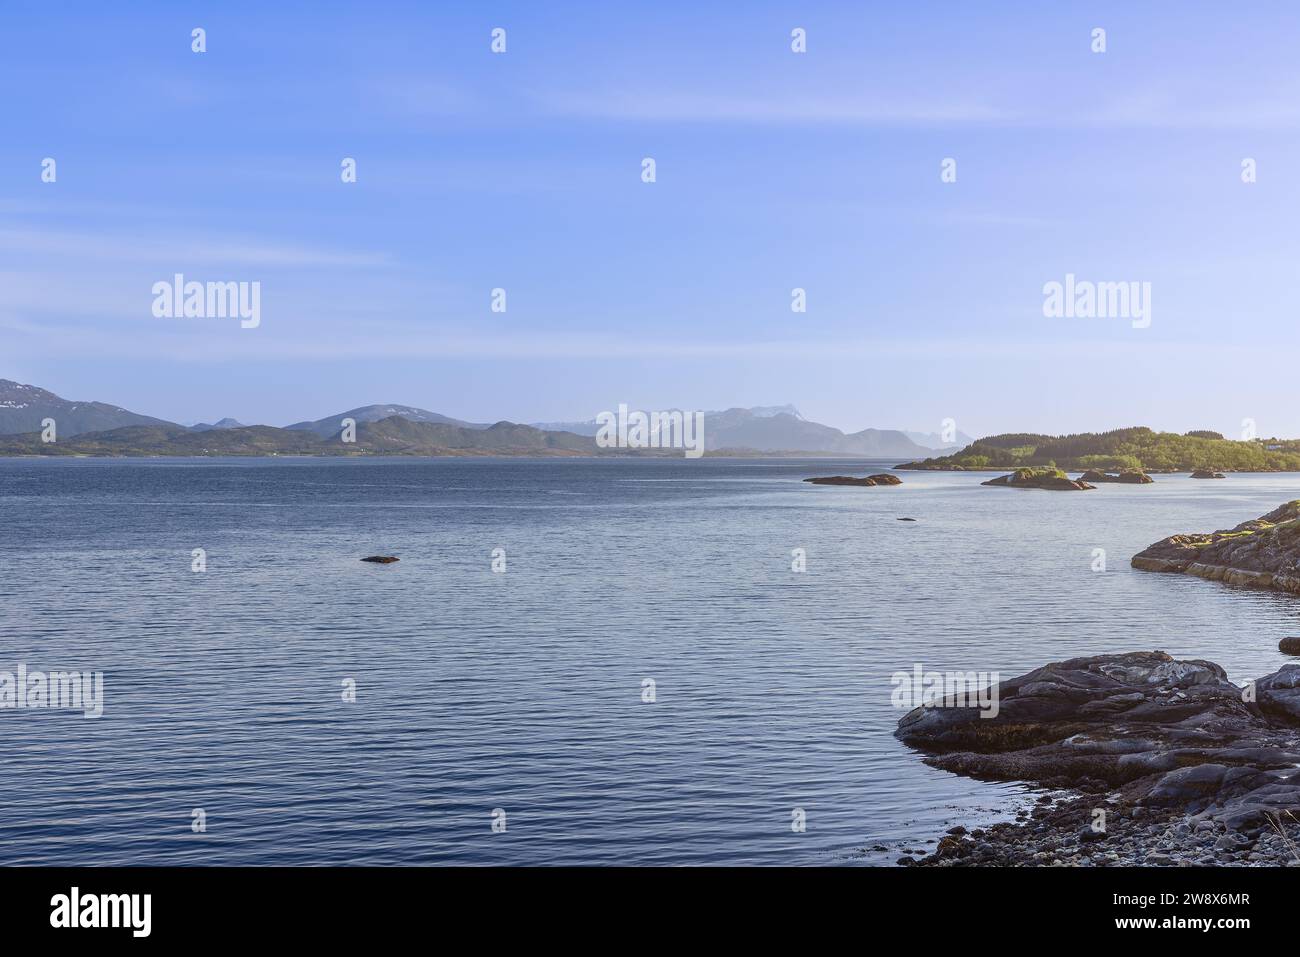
1262	553
1167	761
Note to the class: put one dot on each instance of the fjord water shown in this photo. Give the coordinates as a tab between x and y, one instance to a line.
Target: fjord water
523	691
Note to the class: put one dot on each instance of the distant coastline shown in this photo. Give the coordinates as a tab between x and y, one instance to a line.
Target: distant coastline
1137	448
35	421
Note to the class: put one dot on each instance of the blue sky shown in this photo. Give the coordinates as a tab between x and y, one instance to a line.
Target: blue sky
775	170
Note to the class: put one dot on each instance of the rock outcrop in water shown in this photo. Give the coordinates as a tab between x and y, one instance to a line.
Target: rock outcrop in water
1186	766
1206	474
1045	478
382	559
1264	552
1126	477
884	478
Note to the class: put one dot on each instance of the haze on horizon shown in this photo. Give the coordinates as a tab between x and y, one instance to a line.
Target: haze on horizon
775	170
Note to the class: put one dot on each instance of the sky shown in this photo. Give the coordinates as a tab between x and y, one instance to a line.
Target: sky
774	170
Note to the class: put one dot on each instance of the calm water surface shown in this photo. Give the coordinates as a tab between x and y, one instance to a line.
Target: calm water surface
522	691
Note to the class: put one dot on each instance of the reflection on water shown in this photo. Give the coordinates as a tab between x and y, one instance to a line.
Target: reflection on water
523	690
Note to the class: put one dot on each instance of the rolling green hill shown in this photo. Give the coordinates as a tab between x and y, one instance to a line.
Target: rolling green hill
1135	448
391	436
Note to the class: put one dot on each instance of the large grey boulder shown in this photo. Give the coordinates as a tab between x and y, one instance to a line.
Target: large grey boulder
1168	733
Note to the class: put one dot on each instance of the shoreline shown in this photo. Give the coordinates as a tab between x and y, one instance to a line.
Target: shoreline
1220	573
1070	468
1058	833
1167	762
671	454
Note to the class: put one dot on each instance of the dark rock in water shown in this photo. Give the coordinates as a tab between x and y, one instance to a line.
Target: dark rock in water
1264	552
1206	474
382	559
1126	477
1289	646
1045	478
906	520
884	478
1167	734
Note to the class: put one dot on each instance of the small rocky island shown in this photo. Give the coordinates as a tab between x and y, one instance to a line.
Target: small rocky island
1039	477
1169	762
884	478
1264	552
1206	474
1125	477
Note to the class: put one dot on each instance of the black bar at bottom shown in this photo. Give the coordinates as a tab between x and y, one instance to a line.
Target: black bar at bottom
338	905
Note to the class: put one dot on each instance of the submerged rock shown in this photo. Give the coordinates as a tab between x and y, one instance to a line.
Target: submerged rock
1045	478
1263	553
382	559
884	478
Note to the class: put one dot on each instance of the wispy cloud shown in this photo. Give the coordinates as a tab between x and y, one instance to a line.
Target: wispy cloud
379	339
161	245
1154	108
1147	108
783	108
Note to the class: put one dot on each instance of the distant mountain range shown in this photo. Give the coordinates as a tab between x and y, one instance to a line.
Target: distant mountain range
780	428
101	429
23	407
223	424
390	436
374	413
934	440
